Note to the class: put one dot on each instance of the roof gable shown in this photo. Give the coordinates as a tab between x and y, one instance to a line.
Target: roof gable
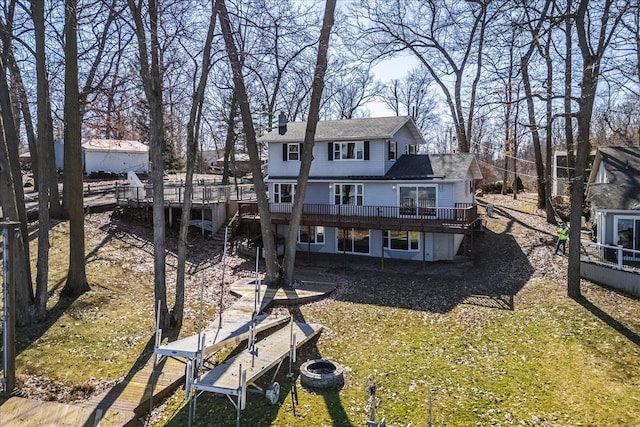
622	189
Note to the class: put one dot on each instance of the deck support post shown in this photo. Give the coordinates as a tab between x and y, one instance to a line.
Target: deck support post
424	250
382	250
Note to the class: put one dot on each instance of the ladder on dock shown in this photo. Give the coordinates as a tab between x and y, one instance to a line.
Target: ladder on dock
234	376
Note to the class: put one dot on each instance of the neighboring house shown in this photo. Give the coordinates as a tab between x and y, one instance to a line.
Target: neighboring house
109	155
369	193
613	193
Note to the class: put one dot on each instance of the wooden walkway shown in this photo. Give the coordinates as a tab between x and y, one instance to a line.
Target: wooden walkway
21	412
128	401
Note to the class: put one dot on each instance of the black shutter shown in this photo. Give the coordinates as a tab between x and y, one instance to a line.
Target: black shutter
330	151
284	152
366	150
300	152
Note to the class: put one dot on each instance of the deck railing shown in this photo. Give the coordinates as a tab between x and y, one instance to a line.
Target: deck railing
206	193
461	217
616	257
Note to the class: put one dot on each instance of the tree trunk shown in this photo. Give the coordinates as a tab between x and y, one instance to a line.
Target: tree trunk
12	201
309	138
152	83
568	116
26	113
44	129
551	218
252	147
535	135
192	149
592	54
228	146
76	277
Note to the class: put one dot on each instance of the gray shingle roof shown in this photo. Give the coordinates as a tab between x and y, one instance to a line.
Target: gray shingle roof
622	165
345	130
424	166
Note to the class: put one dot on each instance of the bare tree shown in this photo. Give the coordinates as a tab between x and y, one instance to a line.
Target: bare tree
192	148
150	73
76	277
252	147
309	139
12	199
595	25
412	96
45	141
535	22
448	40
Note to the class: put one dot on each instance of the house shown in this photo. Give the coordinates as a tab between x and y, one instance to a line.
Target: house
108	155
613	193
370	193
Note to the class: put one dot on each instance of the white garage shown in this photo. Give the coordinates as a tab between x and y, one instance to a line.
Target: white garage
109	155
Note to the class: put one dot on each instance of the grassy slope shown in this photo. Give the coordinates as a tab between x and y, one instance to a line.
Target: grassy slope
550	361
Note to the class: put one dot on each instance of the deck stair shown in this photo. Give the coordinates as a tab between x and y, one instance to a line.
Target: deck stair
232	224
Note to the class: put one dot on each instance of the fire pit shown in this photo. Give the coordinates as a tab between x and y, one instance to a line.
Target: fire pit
321	374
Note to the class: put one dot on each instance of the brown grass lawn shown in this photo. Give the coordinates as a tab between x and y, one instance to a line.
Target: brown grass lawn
493	340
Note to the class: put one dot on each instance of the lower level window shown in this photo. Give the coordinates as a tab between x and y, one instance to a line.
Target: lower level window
353	240
401	240
312	234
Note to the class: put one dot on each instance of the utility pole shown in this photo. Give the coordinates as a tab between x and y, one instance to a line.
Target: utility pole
8	307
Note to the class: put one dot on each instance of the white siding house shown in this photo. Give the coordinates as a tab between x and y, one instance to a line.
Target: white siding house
109	155
370	193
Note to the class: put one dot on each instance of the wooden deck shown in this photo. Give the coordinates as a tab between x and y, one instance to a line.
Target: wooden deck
458	220
128	401
20	412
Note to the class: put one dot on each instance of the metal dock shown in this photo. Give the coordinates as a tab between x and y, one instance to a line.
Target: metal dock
234	330
234	376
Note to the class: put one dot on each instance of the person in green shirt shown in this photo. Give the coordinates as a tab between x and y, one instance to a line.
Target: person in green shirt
563	236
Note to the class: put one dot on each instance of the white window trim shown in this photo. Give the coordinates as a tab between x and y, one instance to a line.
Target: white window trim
338	233
289	152
387	236
416	186
395	150
616	218
357	185
337	151
278	192
315	238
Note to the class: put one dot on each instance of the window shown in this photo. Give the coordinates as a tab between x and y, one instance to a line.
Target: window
349	194
418	200
291	151
353	240
311	234
411	149
401	240
283	193
391	150
348	150
627	233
